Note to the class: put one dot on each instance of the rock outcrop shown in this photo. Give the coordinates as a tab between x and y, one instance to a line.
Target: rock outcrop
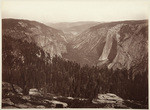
34	92
58	104
49	39
12	99
9	89
111	101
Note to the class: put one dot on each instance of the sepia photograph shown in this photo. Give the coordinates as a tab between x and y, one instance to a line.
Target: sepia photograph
74	54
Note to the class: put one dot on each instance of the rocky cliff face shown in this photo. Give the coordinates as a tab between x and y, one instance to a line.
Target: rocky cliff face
49	39
127	44
117	44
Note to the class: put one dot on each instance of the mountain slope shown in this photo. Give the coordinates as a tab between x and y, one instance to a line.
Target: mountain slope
49	39
116	44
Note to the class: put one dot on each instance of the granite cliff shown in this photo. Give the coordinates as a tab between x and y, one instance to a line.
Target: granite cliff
116	44
49	39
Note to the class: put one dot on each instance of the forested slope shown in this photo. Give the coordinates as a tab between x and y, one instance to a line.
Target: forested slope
28	66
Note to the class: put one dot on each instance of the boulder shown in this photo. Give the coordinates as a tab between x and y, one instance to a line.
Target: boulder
55	97
7	87
26	97
18	89
71	98
51	96
25	105
30	105
47	101
9	94
22	106
111	101
99	101
109	98
7	101
114	97
58	104
34	92
120	105
109	106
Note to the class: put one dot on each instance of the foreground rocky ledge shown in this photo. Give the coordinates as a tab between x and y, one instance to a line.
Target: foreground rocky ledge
12	97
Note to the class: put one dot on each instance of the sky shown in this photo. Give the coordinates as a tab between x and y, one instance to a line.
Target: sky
74	10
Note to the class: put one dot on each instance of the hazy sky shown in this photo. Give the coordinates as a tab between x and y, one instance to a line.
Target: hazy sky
75	10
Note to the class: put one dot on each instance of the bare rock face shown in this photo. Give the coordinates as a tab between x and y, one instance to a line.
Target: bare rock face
10	88
34	92
7	101
58	104
49	39
33	100
116	44
111	101
127	44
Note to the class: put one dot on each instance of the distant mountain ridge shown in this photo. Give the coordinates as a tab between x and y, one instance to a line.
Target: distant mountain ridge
49	39
73	29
